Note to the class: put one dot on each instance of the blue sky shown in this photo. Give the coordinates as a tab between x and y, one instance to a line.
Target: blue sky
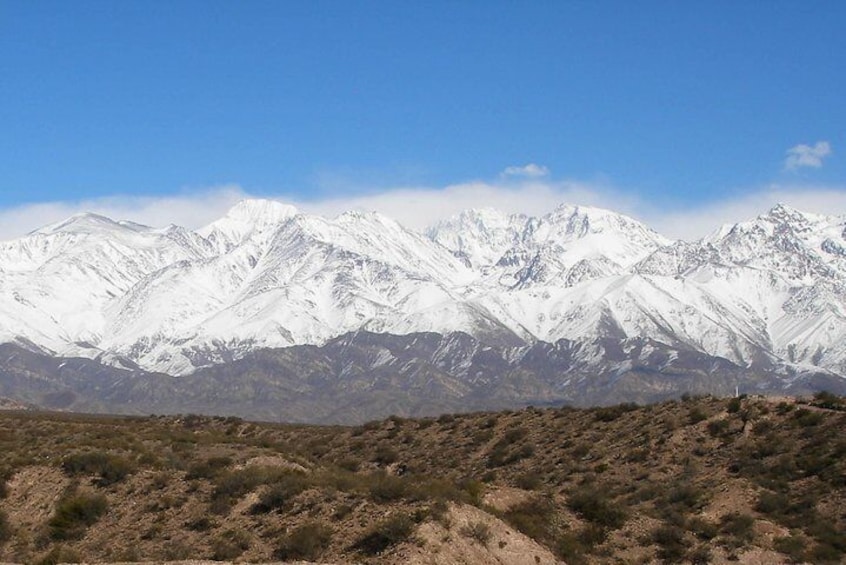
658	106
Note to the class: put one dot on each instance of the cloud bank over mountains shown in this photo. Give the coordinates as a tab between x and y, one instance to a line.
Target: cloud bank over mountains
419	207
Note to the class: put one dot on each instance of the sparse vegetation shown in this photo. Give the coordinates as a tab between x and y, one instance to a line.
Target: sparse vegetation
110	468
284	488
59	554
230	545
595	507
390	531
5	528
308	541
701	475
74	513
477	531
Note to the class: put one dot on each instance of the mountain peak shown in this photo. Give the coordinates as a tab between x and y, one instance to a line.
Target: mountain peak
245	218
88	222
257	210
783	211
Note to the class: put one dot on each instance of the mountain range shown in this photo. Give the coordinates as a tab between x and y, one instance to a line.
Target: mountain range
482	310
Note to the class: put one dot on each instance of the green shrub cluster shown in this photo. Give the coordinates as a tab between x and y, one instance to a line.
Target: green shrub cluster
533	517
75	513
232	485
829	401
611	413
595	507
506	451
209	468
110	468
284	488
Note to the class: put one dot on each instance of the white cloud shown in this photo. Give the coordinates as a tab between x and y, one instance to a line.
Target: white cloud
419	207
699	221
807	156
531	171
190	209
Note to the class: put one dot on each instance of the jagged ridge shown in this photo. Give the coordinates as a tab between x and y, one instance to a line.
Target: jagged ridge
760	294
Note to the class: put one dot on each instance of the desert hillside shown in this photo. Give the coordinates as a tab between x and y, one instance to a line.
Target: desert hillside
700	480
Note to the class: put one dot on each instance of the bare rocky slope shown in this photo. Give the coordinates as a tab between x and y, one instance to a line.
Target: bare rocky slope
364	376
701	480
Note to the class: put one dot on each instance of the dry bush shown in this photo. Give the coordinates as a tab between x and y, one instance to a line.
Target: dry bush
110	468
74	513
308	542
389	532
5	528
208	469
230	544
477	531
594	506
280	493
59	554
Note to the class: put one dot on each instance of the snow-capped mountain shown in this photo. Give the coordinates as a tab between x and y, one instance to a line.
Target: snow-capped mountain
765	293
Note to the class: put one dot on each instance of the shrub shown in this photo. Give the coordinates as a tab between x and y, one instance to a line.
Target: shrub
513	435
74	514
532	517
110	468
718	428
733	406
696	415
280	492
391	531
385	455
593	506
388	488
592	535
699	556
611	413
783	408
232	485
702	528
825	399
308	542
671	542
208	469
528	481
201	524
570	549
685	496
773	503
831	544
471	491
791	546
59	554
478	531
230	544
5	475
806	418
737	528
5	528
501	454
350	464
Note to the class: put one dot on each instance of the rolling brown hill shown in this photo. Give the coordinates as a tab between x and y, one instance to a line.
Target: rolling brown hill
700	480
